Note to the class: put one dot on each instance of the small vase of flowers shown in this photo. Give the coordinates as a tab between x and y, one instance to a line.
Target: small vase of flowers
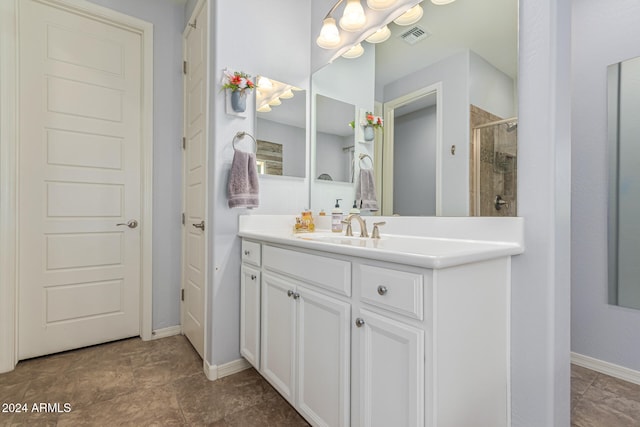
369	124
239	83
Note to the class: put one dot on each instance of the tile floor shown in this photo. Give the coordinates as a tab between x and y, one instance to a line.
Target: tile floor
598	400
137	383
161	383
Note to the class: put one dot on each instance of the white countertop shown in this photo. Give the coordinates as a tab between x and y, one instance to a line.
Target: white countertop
415	248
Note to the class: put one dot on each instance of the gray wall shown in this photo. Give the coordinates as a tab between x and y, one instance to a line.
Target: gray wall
598	330
167	17
250	41
491	89
414	163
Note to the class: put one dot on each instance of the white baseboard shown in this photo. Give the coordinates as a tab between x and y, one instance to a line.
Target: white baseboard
607	368
166	332
214	372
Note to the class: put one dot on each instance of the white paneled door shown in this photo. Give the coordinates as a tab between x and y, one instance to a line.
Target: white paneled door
195	176
79	178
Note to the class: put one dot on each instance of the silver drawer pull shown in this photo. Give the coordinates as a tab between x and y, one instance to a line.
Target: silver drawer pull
289	293
359	322
247	253
382	290
253	277
296	295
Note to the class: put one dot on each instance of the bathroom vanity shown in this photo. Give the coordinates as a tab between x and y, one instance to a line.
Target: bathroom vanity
411	329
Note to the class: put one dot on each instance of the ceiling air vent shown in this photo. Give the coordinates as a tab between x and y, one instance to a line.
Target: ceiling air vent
415	34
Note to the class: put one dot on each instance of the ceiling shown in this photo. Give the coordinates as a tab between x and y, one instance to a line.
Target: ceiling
487	27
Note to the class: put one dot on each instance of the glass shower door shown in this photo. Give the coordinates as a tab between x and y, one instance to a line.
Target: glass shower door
495	168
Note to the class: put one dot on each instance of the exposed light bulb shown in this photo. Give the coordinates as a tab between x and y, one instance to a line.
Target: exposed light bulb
380	4
264	109
275	102
441	2
379	36
353	17
287	94
264	83
329	35
411	16
355	52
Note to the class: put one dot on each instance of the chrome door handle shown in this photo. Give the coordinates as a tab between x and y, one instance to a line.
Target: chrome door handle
200	226
359	322
131	224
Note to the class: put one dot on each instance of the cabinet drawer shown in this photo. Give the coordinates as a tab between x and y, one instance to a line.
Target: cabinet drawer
393	290
251	252
328	273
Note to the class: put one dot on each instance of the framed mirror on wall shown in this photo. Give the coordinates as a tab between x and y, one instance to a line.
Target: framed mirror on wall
624	182
280	128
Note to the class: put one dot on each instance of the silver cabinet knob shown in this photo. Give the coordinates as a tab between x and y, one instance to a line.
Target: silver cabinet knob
289	293
200	225
359	322
382	290
296	295
247	253
253	277
131	224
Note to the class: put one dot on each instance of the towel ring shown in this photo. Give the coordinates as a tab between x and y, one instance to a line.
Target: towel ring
363	156
241	135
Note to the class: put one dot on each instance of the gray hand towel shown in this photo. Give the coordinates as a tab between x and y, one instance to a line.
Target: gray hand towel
243	181
366	190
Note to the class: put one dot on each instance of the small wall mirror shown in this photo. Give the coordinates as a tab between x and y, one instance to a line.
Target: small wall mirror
280	128
624	182
334	139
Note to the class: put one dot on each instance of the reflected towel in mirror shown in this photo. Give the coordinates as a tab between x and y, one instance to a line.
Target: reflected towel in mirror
366	191
243	181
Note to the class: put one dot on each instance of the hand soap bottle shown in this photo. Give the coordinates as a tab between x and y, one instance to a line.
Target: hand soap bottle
354	209
336	218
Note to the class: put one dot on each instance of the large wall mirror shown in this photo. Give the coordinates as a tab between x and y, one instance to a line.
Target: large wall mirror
280	128
468	51
624	182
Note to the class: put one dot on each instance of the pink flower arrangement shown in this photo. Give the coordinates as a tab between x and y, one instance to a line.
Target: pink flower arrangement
237	81
370	120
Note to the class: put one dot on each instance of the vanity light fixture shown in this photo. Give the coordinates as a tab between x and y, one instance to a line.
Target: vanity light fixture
441	2
380	4
287	94
379	36
275	102
353	17
264	109
355	52
329	35
411	16
264	83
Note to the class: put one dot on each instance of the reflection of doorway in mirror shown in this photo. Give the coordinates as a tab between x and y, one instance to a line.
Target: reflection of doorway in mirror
493	164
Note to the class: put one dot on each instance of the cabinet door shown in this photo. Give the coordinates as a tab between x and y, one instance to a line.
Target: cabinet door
323	358
278	334
250	315
390	371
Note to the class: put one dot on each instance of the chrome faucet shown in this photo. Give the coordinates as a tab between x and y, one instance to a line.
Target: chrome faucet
362	222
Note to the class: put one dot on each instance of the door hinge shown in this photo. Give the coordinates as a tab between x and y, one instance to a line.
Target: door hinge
183	218
184	67
184	142
181	294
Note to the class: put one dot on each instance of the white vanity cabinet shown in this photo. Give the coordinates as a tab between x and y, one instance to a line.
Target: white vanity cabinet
388	347
305	335
250	302
354	341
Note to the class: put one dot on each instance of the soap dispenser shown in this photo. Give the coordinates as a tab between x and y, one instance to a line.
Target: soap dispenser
354	209
336	218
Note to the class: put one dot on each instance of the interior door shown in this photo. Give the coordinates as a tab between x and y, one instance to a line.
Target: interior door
195	173
79	178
